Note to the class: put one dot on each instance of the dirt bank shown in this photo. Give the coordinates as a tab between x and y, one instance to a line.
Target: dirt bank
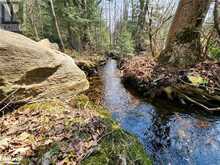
89	62
198	85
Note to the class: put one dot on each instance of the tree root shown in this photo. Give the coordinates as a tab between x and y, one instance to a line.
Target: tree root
209	101
198	103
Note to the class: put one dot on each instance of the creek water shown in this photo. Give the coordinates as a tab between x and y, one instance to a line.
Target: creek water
170	136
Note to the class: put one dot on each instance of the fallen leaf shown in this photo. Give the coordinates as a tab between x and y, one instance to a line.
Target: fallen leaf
4	143
24	151
24	136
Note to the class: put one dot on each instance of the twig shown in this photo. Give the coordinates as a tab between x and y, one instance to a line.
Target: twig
7	97
93	149
6	105
200	104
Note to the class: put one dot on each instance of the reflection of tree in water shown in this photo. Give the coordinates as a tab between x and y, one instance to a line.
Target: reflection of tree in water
183	139
158	135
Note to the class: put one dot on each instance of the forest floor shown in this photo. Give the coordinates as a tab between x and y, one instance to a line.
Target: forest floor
54	132
199	84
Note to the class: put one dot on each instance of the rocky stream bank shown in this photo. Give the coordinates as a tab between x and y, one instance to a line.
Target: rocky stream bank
56	123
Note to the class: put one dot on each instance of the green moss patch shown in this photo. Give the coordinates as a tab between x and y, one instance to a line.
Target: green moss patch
52	132
116	148
187	35
116	145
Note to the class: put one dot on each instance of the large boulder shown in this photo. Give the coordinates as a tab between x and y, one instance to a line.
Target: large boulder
30	70
47	44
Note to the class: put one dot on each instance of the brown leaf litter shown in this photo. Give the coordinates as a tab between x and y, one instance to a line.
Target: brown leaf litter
49	132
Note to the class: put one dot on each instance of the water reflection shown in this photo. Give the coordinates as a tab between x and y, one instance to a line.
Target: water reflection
169	135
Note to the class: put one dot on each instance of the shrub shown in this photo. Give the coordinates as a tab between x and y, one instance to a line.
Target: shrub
125	43
215	53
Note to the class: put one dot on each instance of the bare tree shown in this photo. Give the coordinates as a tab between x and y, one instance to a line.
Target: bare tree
33	8
56	24
158	18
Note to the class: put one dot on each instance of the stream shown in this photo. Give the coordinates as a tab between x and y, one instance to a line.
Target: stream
170	135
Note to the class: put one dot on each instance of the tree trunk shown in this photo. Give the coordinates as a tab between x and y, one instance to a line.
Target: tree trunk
141	24
35	30
110	24
217	16
132	11
57	26
183	47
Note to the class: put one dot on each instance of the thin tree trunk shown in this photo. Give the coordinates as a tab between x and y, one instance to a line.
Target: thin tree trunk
151	37
35	30
125	10
32	13
132	11
24	22
183	47
217	16
110	23
57	26
115	17
149	31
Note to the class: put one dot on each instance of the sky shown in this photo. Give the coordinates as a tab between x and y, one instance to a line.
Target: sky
116	15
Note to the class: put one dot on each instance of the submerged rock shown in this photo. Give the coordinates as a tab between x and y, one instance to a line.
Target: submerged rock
29	70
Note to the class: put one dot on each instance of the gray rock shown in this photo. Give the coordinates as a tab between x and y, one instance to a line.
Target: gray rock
30	70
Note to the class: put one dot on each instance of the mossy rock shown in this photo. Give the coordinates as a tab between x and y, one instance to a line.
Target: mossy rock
118	146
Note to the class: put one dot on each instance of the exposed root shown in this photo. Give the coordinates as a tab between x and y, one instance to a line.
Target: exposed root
199	85
199	104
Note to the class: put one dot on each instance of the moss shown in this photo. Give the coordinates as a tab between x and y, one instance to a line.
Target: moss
117	145
46	105
187	35
214	52
197	80
44	153
50	106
